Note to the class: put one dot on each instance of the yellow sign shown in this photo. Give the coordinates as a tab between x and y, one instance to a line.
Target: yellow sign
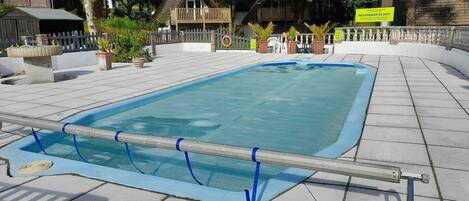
338	35
253	44
385	14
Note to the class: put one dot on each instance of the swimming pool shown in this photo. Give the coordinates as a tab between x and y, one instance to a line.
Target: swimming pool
294	107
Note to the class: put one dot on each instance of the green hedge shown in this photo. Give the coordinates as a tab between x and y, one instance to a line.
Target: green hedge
119	24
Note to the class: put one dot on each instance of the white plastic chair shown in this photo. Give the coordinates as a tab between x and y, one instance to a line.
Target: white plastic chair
273	43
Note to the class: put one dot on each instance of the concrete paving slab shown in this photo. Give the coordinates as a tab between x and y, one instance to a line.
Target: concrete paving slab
392	120
447	138
425	84
398	94
445	124
350	153
392	134
442	112
447	103
361	194
429	95
113	192
174	199
454	184
393	152
390	83
448	157
300	192
421	189
391	88
18	106
391	109
428	89
7	182
8	138
6	102
390	101
63	187
460	96
42	111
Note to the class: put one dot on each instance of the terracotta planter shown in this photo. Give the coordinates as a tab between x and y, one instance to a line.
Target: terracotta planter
104	60
263	47
138	62
291	47
318	47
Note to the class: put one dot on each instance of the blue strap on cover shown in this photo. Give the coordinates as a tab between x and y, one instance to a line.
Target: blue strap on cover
127	149
256	176
188	163
74	143
38	142
246	192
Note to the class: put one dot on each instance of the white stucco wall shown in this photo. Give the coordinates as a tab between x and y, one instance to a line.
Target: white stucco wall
456	58
183	47
65	61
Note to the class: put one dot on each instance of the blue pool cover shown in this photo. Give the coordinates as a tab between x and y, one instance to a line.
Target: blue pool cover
309	108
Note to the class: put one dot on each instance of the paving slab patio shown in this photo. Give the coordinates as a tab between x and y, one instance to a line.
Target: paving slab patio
417	120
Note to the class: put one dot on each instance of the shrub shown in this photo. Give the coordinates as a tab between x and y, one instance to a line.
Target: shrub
128	45
3	52
291	34
320	31
124	24
261	32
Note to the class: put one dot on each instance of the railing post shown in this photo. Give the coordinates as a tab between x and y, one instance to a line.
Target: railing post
153	43
75	45
182	37
449	45
213	41
393	36
41	39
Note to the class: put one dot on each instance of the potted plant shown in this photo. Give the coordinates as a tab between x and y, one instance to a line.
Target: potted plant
319	33
138	40
263	34
138	60
291	38
104	54
129	47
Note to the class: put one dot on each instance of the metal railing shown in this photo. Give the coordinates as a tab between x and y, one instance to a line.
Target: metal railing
335	166
457	37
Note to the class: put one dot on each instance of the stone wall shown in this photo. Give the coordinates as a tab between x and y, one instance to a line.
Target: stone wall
436	12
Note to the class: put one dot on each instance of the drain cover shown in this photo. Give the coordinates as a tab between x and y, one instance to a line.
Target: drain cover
35	167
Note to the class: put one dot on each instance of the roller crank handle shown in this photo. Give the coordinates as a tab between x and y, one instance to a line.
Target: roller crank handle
424	178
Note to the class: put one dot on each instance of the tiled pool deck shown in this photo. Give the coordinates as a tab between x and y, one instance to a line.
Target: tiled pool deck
418	120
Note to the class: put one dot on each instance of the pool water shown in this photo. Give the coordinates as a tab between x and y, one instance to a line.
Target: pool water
286	108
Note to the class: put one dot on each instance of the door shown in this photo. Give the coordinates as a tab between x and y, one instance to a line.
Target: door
26	27
8	33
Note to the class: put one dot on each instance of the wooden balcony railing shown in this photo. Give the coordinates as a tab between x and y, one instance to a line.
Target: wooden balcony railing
200	15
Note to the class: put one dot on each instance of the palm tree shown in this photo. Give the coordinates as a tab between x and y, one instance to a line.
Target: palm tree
88	4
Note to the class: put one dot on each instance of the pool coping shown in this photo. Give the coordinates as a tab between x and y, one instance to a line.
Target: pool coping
348	138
